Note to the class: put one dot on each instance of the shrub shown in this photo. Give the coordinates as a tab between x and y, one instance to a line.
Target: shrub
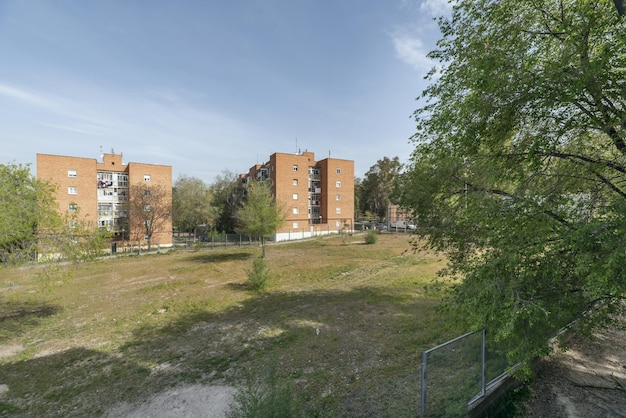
271	398
371	237
258	276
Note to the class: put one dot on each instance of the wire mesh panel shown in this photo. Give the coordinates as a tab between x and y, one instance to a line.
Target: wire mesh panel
451	376
458	372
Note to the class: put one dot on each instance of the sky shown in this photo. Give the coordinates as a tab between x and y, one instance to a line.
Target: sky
208	86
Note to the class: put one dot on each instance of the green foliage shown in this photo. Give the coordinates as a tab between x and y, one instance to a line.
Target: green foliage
375	191
271	398
27	207
519	163
226	194
371	236
258	276
260	216
191	204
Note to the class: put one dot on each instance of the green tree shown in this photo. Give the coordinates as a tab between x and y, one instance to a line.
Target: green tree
191	204
375	192
150	209
519	166
260	216
27	207
226	192
357	197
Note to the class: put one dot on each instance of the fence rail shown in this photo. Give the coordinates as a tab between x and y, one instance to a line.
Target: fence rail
216	241
458	373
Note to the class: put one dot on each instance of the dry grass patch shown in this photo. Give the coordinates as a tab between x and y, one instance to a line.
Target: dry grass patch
344	323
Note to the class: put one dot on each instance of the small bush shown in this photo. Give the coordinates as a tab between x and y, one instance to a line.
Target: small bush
258	276
272	398
371	237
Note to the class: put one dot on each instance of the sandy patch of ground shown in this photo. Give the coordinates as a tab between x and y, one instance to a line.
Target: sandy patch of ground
195	401
587	381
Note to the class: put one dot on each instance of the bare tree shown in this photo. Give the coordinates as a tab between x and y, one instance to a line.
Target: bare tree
150	210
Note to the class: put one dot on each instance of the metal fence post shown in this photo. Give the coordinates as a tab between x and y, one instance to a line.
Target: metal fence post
483	369
424	354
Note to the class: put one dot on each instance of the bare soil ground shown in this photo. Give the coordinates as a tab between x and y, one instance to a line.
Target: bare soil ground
587	381
194	401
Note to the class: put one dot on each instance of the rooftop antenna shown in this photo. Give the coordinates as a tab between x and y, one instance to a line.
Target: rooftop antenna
101	153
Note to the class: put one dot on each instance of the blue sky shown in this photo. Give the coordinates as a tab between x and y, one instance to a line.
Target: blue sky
207	86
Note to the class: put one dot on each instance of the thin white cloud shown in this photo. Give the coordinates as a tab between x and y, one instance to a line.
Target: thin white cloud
81	129
410	49
25	96
437	8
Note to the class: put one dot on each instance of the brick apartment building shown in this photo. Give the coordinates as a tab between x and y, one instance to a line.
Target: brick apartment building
98	191
317	195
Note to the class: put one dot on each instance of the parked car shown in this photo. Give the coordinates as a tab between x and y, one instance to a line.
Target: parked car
382	226
403	225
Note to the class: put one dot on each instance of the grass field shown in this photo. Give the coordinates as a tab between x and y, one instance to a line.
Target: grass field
343	323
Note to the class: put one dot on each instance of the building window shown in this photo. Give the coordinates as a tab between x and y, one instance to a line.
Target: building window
295	225
339	171
295	211
72	224
72	173
146	208
338	185
72	190
338	211
338	197
295	167
295	182
73	207
122	180
338	224
146	177
295	196
146	192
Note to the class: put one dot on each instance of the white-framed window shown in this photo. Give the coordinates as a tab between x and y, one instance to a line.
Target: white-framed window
295	167
146	177
72	190
338	184
122	180
147	208
72	173
338	224
338	197
295	182
72	207
339	171
338	211
72	224
105	223
295	196
295	225
295	211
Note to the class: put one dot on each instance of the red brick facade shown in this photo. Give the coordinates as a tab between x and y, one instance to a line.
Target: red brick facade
317	196
98	190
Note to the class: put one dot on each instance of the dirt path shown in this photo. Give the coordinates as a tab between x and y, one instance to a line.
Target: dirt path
196	401
587	381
